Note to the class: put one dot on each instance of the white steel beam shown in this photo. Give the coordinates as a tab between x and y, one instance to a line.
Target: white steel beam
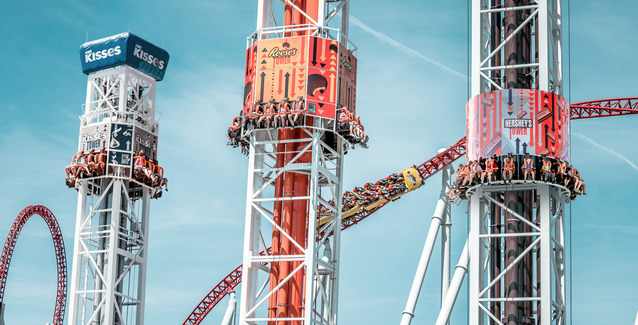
424	260
475	263
546	253
454	288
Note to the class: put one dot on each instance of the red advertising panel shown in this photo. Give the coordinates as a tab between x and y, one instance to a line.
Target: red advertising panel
347	80
249	78
322	77
317	70
518	121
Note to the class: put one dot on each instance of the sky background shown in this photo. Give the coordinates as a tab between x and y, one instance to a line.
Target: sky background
410	107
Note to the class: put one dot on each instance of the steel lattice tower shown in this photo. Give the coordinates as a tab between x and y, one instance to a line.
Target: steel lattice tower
108	279
516	239
295	169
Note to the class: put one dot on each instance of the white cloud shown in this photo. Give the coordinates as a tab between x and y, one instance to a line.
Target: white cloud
608	150
404	48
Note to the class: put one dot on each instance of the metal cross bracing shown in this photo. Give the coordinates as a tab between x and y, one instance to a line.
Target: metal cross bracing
495	268
294	177
348	219
121	93
110	251
310	266
58	243
108	280
497	25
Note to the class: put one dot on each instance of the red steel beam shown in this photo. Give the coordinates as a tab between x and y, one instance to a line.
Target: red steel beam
58	243
604	108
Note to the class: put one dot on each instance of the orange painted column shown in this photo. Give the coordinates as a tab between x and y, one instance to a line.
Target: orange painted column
292	216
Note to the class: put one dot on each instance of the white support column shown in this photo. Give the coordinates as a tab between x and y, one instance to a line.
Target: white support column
345	22
264	11
75	278
476	49
424	260
321	15
111	263
542	44
230	314
251	240
141	288
547	255
475	265
336	254
311	254
446	236
455	286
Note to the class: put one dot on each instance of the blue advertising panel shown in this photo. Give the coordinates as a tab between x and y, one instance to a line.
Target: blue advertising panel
124	49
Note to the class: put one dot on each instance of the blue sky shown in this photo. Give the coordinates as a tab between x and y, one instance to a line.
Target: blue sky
410	106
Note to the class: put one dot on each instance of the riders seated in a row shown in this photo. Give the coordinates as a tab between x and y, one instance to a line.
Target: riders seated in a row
350	127
284	113
85	164
387	188
148	171
524	168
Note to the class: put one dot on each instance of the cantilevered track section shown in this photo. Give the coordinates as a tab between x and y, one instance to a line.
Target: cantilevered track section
352	216
58	243
604	108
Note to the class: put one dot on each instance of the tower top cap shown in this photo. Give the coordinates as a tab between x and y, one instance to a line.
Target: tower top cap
124	49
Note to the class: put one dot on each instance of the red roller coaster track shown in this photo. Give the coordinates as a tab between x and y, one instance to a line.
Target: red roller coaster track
58	243
582	110
604	108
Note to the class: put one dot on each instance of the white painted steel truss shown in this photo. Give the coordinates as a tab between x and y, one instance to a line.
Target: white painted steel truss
108	278
545	248
120	94
109	257
488	67
332	22
318	258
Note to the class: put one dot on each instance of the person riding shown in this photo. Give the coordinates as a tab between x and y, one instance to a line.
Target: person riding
529	172
158	176
297	110
265	119
509	168
101	162
579	185
475	171
233	132
258	115
465	175
546	170
491	167
563	172
284	110
149	170
460	176
139	164
91	163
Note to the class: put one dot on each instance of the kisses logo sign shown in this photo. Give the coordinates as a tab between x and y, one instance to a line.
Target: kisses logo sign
124	49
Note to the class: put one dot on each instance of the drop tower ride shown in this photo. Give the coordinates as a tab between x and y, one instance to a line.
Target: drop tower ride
297	122
116	174
516	239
